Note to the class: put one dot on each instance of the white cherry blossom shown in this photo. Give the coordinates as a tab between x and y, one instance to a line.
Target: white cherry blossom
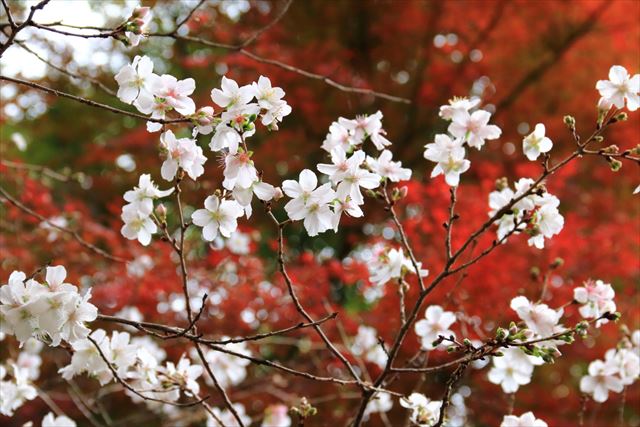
513	369
50	420
137	225
536	143
626	362
596	298
239	171
175	93
276	415
473	128
225	137
436	322
217	216
268	97
380	402
134	81
387	168
619	88
181	153
231	94
309	203
525	420
539	318
602	378
366	345
449	155
424	412
143	195
457	104
338	136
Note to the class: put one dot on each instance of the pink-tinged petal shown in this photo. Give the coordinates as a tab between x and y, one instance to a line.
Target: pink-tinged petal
210	231
228	85
127	93
481	116
55	275
201	217
264	191
308	180
169	169
220	98
145	66
211	203
295	209
618	74
633	101
292	188
186	87
144	237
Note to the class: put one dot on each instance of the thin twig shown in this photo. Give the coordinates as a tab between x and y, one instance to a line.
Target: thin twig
90	102
73	234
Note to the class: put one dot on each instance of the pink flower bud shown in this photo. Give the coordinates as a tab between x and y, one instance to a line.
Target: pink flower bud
277	194
140	12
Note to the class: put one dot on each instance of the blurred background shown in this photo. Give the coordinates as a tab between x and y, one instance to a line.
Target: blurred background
529	61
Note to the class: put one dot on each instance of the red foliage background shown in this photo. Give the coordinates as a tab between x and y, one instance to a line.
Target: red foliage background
540	61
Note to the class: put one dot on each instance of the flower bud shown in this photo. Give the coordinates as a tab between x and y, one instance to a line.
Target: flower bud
598	138
204	116
622	117
140	12
501	334
277	193
161	212
604	105
570	122
513	329
528	334
615	164
534	272
558	262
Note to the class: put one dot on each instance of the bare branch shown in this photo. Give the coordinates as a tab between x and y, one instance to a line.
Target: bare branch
73	234
90	102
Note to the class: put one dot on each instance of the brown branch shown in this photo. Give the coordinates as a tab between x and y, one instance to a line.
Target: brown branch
298	305
133	390
258	33
73	234
15	29
90	79
36	168
403	236
187	17
90	102
447	271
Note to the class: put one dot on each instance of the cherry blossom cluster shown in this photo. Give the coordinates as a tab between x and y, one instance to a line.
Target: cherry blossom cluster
24	370
351	170
136	26
536	214
466	127
619	369
54	311
137	360
137	213
596	299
